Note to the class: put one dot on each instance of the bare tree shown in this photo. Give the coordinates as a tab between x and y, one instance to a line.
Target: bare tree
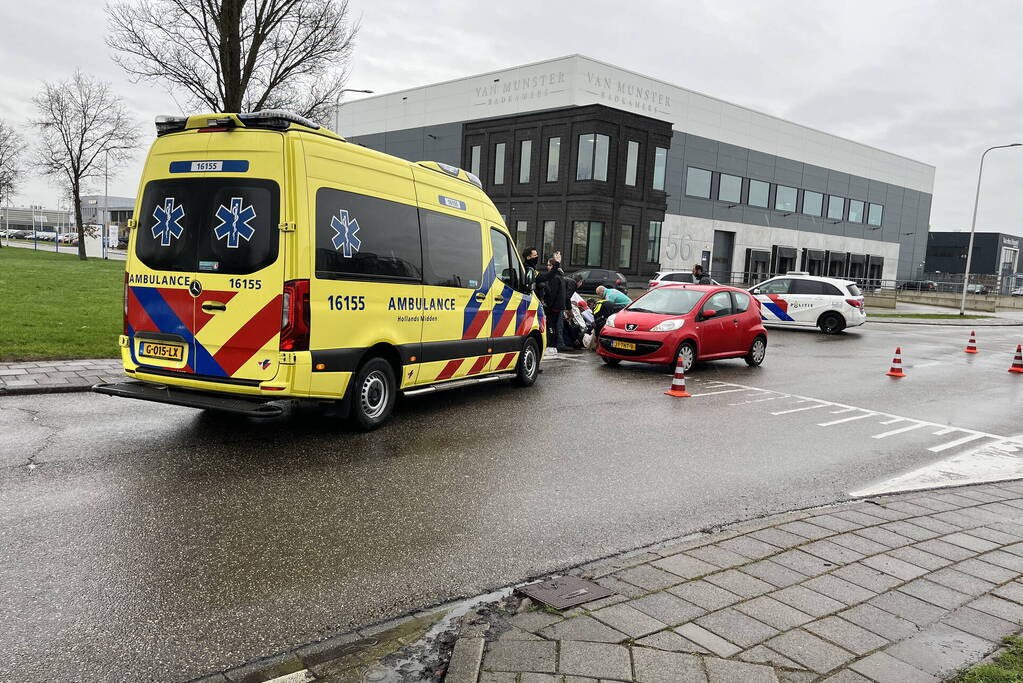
11	148
81	122
238	55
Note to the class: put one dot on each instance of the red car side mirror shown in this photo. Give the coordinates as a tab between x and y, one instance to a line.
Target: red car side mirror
708	313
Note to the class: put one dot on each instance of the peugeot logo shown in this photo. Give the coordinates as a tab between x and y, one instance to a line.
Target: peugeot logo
631	326
195	288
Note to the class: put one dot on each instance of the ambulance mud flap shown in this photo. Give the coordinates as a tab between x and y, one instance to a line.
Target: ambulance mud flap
193	399
458	383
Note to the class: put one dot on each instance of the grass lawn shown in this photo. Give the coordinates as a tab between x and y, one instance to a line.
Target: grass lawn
56	306
935	316
1007	668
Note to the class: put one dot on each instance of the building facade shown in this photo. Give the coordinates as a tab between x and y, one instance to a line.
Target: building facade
622	171
994	254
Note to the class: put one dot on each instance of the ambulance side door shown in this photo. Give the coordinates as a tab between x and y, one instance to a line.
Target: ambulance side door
510	304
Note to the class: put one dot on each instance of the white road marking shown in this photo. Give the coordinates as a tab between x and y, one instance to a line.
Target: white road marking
796	410
957	442
946	430
898	419
847	419
842	410
714	393
910	428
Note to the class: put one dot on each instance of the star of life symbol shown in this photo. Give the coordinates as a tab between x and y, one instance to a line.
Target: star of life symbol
234	223
168	221
344	234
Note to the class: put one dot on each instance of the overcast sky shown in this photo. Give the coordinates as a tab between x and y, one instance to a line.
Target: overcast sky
935	81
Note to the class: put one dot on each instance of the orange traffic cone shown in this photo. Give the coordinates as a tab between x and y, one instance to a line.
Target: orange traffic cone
896	369
1017	362
678	382
971	346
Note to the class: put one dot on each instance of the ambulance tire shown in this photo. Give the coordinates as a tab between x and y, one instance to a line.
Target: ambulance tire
528	367
831	323
374	393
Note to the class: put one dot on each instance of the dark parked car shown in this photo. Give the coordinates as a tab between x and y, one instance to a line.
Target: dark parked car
596	277
920	285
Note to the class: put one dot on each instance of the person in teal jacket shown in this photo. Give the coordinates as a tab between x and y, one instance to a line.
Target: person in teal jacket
613	296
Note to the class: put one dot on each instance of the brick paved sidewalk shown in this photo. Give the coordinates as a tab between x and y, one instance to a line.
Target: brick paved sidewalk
57	376
901	589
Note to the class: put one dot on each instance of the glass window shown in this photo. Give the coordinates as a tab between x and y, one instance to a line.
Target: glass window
813	203
505	263
631	163
720	302
525	159
741	301
499	164
836	208
548	239
452	250
593	153
698	182
660	163
759	191
366	236
730	188
587	240
553	159
213	225
678	277
855	211
625	247
874	214
785	198
776	287
668	301
653	242
474	161
521	230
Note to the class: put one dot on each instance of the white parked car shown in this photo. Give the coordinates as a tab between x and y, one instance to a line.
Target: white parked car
665	277
1018	291
799	298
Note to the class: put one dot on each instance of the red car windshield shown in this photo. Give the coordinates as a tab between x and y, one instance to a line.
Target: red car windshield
667	301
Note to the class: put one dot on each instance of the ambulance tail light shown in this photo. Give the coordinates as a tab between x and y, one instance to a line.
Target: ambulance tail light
855	303
295	316
125	311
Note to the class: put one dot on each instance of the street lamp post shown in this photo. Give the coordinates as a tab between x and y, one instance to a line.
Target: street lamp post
106	200
973	223
337	106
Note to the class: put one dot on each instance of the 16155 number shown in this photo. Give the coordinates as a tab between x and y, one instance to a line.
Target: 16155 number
346	303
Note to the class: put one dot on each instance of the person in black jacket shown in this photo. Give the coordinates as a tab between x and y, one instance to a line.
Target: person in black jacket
555	300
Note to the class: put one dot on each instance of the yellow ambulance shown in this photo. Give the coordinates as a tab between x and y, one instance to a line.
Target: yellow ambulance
270	259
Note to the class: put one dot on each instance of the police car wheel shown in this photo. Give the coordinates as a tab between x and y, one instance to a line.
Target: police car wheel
375	393
757	351
831	323
528	365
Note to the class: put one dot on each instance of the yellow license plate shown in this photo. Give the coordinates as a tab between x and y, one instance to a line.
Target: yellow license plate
162	351
624	346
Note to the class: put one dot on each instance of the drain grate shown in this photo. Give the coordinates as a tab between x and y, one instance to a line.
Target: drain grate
565	591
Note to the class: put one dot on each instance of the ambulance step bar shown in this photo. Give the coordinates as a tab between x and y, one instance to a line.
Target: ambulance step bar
162	393
458	383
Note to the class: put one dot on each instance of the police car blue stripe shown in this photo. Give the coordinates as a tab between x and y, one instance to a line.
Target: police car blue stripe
776	309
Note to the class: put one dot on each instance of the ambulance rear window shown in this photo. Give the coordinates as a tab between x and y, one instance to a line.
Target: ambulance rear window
222	225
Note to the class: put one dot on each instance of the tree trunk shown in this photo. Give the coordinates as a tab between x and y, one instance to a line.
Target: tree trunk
231	54
78	220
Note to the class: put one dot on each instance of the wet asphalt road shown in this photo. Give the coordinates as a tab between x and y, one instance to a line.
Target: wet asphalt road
149	542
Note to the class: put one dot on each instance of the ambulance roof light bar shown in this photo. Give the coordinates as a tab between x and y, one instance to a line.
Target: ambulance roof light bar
170	124
275	118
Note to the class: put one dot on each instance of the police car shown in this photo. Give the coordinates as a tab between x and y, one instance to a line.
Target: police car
798	298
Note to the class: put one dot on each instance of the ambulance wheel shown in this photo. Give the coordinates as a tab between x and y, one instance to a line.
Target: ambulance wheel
757	351
831	323
528	366
374	394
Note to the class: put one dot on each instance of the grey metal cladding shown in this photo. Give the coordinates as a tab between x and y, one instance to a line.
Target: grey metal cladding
858	188
432	143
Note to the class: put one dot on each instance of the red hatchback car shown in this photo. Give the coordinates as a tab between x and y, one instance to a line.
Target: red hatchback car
698	322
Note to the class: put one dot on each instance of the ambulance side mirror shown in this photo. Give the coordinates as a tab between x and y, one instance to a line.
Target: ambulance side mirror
527	281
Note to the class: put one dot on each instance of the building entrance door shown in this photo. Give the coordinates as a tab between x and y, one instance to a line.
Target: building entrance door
721	259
